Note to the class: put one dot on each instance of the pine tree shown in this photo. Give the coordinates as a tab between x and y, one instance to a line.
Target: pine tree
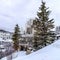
43	26
16	37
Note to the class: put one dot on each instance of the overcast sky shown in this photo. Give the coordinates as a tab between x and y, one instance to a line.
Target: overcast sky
20	11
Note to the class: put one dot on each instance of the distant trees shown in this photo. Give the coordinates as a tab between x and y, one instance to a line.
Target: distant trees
43	27
29	27
16	37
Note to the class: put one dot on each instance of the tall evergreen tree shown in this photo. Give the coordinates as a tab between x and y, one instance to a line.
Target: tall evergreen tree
43	26
16	37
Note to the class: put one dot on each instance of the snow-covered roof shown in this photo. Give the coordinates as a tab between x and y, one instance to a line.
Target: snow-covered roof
1	46
58	35
1	39
27	35
8	40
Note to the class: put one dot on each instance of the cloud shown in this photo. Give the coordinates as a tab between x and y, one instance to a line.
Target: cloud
20	11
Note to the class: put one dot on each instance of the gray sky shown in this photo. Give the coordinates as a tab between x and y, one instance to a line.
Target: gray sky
20	11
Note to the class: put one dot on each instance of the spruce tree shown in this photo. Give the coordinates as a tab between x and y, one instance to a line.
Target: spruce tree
16	37
43	26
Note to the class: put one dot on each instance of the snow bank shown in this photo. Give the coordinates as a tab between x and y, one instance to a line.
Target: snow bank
4	58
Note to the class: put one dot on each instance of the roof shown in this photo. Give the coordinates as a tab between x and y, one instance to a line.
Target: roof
27	35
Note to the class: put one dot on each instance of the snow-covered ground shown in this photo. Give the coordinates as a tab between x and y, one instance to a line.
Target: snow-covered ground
20	54
51	52
5	58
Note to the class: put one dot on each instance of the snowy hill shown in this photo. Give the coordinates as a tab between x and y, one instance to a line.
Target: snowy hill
51	52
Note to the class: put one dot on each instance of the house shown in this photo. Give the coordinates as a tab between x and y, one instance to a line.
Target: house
57	31
6	47
5	34
25	41
5	42
27	37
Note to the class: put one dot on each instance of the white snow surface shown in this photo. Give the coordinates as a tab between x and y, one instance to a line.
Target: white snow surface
51	52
